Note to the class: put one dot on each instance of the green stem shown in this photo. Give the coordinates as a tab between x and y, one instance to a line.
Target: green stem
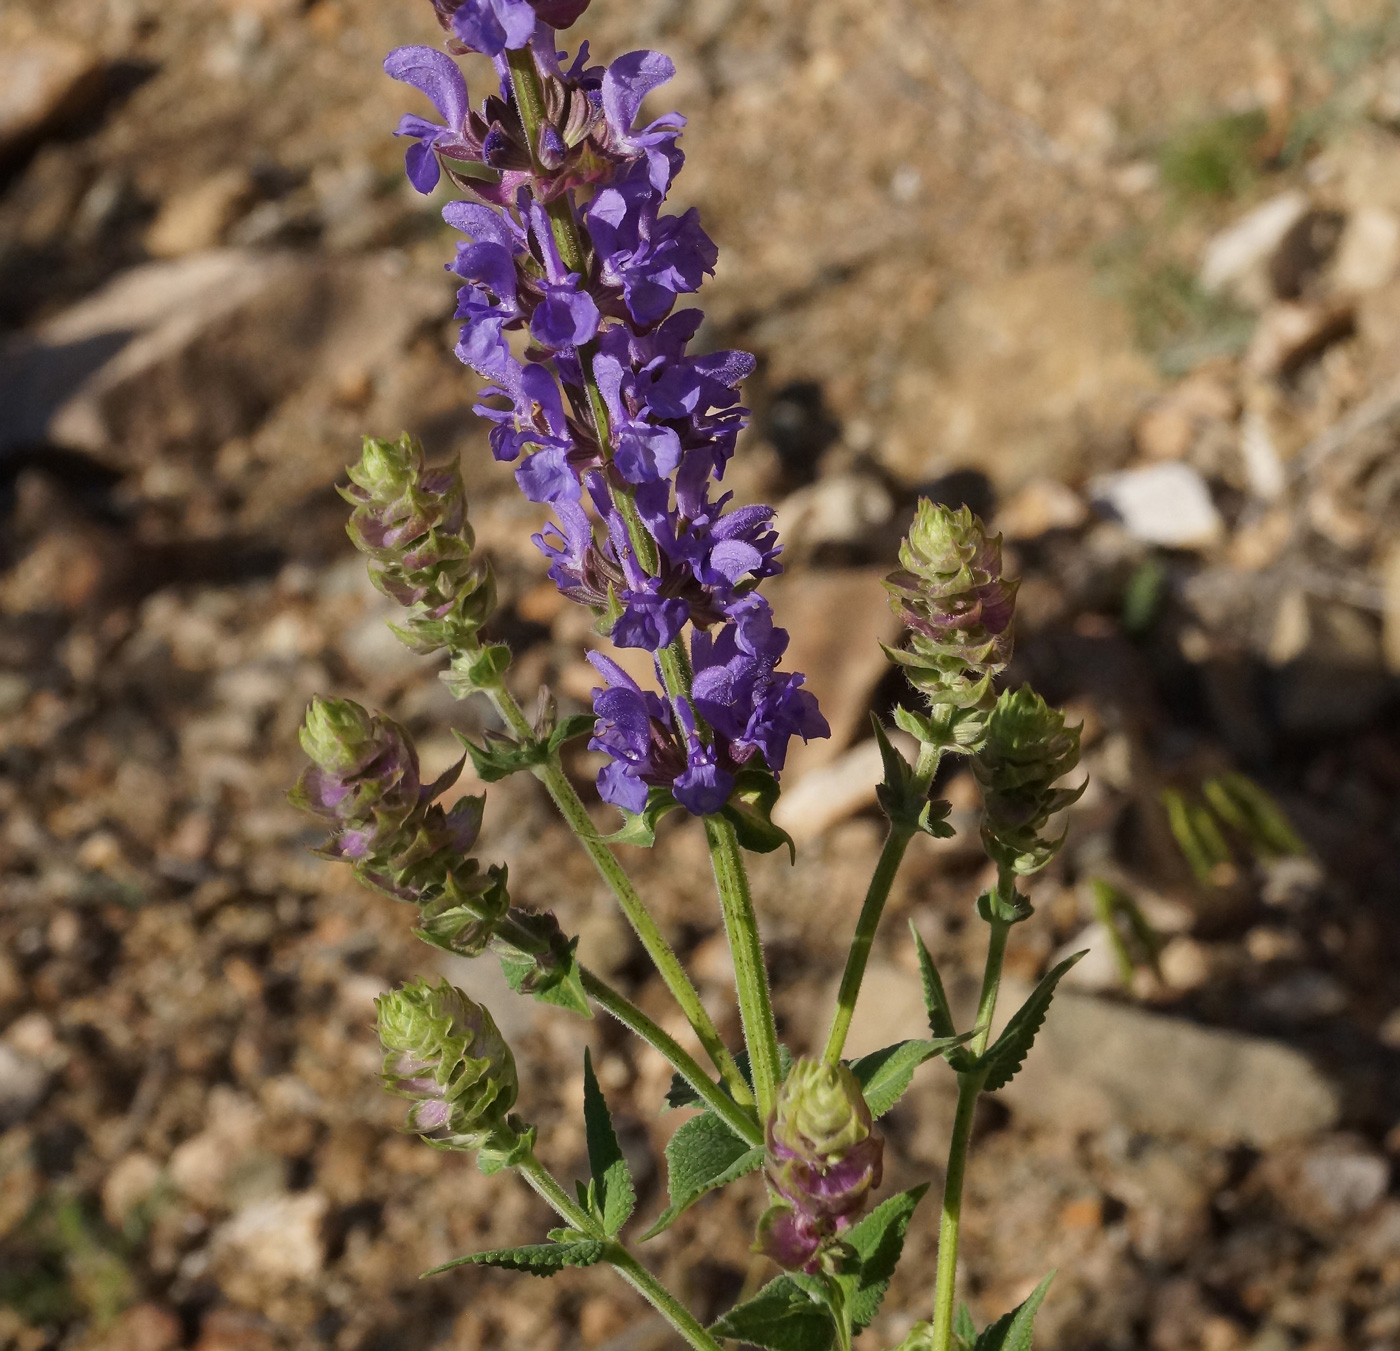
886	869
637	1276
742	1123
547	1186
644	925
750	975
660	1298
969	1087
891	856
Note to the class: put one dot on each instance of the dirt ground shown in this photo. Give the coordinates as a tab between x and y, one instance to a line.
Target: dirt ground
1125	278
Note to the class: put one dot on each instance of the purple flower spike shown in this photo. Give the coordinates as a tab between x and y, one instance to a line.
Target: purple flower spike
595	398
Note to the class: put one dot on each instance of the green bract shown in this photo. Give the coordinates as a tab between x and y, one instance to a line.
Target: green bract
412	522
1027	750
444	1053
820	1112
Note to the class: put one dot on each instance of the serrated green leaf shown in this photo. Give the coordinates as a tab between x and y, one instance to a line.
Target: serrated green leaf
613	1193
964	1329
577	725
1012	1331
940	1015
884	1075
552	976
502	756
702	1155
878	1240
781	1317
538	1259
750	811
1008	1053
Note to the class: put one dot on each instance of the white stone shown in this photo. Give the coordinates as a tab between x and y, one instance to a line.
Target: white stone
1167	504
1237	258
23	1082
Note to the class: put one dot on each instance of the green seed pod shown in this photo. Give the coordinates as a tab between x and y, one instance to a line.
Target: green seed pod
1027	750
445	1054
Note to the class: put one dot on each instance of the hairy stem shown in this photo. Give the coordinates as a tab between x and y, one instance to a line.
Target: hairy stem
741	1122
547	1186
969	1087
660	1298
645	926
886	869
750	975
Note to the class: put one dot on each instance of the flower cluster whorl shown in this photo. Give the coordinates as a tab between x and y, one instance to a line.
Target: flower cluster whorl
956	605
364	782
412	522
608	416
445	1054
823	1159
1028	749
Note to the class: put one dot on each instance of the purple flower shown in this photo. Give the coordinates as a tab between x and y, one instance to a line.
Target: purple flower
628	81
440	79
566	317
493	26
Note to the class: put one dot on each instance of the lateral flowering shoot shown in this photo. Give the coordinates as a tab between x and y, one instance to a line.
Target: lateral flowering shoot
608	417
823	1159
957	607
444	1053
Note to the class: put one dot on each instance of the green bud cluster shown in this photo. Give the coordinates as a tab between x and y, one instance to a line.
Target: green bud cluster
1028	749
822	1159
957	609
445	1054
412	522
364	783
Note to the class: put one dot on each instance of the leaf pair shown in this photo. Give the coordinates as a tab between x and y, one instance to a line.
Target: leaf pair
1000	1062
749	810
501	755
902	799
801	1313
608	1198
1011	1332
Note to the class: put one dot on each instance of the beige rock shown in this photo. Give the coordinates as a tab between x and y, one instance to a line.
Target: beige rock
1096	1062
1369	250
1292	333
44	81
832	792
1039	505
842	510
278	1240
202	1166
130	1184
198	218
837	621
1016	376
1390	622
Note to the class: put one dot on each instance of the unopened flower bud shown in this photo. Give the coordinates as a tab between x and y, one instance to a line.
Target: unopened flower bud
823	1159
956	605
363	777
412	522
445	1055
1027	750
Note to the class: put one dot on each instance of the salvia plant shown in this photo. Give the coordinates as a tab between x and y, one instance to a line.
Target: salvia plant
570	270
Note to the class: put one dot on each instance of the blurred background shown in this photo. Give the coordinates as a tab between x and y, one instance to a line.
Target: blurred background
1122	277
